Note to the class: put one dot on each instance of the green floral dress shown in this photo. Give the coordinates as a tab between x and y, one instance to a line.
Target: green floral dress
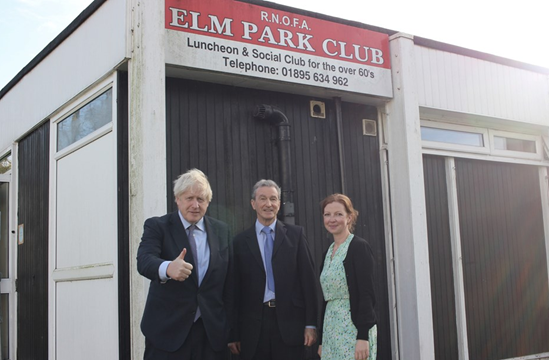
339	332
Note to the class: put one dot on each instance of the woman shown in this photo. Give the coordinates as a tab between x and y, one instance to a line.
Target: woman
349	329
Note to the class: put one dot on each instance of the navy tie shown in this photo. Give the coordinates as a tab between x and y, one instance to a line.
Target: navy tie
192	243
268	256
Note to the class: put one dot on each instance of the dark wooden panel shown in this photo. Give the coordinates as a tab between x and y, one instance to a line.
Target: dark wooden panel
211	127
504	259
440	258
363	186
32	255
235	150
124	348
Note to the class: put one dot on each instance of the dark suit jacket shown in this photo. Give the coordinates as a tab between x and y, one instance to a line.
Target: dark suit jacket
295	286
171	306
359	271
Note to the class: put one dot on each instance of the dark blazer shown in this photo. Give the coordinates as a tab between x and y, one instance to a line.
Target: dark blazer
171	306
295	286
359	271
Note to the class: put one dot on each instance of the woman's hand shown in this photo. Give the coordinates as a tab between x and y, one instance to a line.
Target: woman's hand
362	350
319	351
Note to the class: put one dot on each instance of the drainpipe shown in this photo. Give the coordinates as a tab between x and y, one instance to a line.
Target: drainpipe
268	112
339	120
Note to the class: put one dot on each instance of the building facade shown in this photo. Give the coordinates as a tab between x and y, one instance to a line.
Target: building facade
443	150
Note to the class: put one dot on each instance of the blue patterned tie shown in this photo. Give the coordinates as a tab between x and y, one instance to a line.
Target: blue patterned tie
268	256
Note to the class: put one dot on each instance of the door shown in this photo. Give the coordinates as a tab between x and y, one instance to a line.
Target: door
489	274
84	275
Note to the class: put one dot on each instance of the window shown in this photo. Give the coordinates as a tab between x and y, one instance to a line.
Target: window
452	136
5	164
516	145
85	120
435	135
475	140
504	143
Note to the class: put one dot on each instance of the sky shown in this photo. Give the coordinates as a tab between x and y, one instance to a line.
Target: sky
517	30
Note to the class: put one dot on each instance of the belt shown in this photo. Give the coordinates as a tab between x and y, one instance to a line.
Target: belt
270	303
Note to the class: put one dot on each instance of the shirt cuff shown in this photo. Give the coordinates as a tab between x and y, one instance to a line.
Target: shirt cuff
310	327
162	271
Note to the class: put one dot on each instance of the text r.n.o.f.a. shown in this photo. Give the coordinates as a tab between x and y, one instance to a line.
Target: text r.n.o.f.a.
184	19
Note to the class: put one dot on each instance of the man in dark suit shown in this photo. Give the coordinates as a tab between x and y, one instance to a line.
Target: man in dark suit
275	285
187	256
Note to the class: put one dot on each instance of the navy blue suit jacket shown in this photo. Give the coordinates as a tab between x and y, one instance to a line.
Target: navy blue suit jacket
171	306
295	286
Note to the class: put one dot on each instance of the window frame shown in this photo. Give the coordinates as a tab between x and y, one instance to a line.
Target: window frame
486	151
76	104
538	155
452	146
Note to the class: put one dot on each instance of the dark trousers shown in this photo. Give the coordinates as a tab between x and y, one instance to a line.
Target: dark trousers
271	346
195	347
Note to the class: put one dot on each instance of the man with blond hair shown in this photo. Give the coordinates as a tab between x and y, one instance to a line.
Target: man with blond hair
187	256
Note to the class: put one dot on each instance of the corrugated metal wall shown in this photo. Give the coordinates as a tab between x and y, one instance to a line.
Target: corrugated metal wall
504	259
440	258
32	260
211	127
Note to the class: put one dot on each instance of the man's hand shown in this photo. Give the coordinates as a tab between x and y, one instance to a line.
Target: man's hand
362	350
179	269
310	336
234	347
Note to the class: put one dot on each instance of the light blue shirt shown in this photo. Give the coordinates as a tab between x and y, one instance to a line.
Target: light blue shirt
202	250
261	238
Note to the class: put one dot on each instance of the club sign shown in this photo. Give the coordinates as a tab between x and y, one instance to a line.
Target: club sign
246	39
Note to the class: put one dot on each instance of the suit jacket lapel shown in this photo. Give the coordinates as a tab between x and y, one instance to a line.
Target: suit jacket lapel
251	240
179	235
213	243
280	236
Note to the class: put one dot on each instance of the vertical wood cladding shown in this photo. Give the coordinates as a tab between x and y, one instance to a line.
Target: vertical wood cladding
32	260
211	127
440	258
504	259
363	186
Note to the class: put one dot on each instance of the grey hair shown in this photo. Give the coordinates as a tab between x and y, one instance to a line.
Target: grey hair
262	183
193	179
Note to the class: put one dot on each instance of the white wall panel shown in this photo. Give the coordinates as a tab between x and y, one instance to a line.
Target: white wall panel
87	320
91	52
453	82
86	205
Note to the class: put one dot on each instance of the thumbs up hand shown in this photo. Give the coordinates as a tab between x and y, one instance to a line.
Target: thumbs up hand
179	269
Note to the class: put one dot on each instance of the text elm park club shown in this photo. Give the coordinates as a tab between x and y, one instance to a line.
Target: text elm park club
291	50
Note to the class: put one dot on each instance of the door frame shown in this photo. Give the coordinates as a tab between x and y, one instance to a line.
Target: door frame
8	285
